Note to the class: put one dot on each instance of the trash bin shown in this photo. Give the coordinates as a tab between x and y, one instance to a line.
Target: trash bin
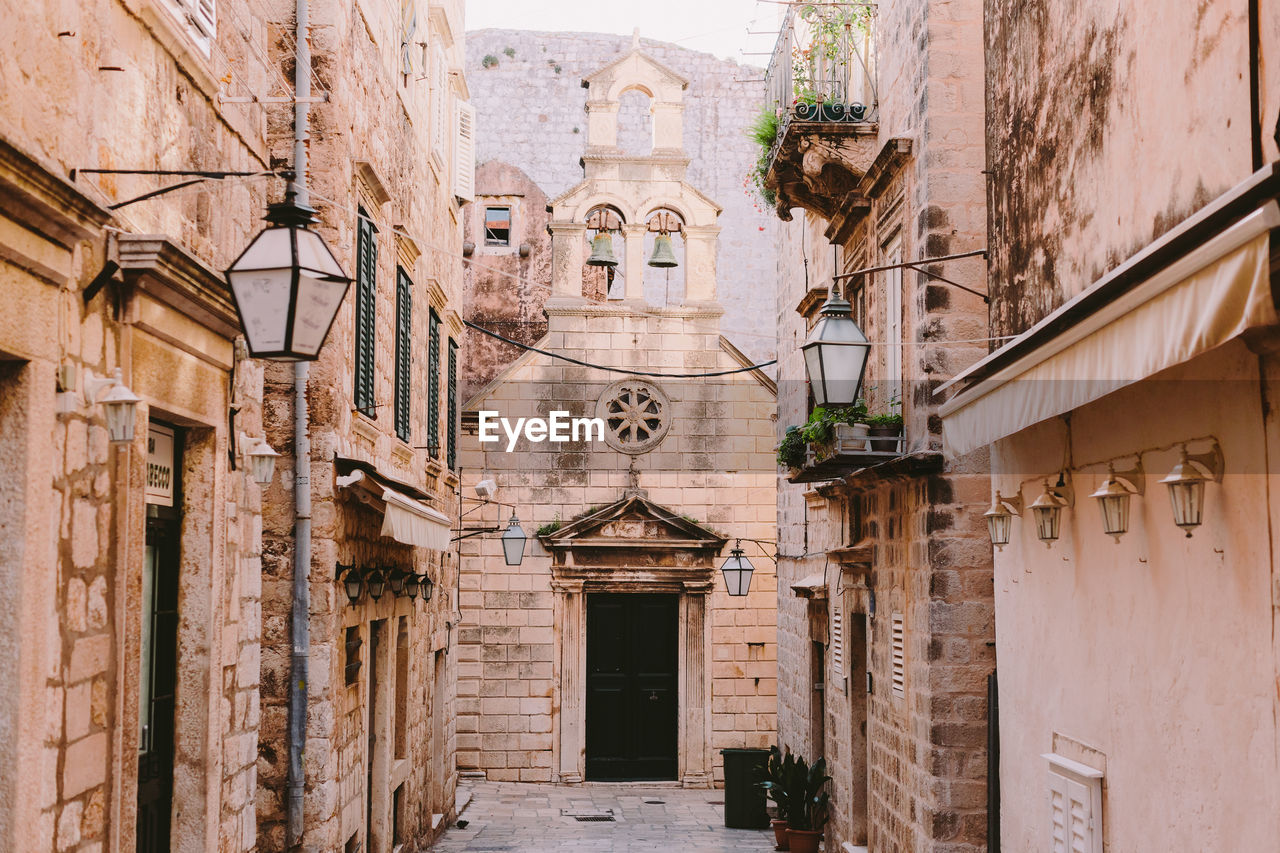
744	800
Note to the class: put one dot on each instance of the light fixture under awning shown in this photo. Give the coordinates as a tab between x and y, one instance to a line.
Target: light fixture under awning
404	518
1208	297
811	586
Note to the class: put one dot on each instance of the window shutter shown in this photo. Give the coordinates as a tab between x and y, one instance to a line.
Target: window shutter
464	152
1075	807
453	406
837	637
433	385
366	292
440	102
204	15
404	325
897	649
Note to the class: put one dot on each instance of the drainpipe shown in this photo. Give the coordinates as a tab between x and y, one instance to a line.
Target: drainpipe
300	629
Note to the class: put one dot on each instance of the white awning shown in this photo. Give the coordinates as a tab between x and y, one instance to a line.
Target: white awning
403	518
811	586
1206	298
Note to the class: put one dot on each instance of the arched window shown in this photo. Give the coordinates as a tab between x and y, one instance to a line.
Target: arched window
635	122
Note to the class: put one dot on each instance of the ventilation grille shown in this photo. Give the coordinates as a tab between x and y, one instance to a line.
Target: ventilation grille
604	816
897	644
837	637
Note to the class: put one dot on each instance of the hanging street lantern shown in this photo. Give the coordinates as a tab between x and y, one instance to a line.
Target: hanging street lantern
119	405
396	580
1186	486
1000	518
737	571
835	354
412	586
287	286
513	542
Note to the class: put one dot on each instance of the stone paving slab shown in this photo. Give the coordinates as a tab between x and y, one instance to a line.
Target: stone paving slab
530	818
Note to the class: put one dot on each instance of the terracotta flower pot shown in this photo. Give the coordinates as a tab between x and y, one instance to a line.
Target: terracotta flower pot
803	840
779	834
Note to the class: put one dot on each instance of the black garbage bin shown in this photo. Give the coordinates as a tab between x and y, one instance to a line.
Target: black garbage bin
743	797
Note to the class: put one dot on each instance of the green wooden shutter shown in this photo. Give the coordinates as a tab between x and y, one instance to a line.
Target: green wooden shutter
433	385
366	313
404	320
453	406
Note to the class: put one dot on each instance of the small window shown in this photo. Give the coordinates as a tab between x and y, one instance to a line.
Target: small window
897	646
497	226
366	312
398	834
351	671
404	334
433	384
452	429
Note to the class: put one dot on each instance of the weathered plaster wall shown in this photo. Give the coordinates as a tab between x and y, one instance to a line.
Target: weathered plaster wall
530	113
1107	126
1156	651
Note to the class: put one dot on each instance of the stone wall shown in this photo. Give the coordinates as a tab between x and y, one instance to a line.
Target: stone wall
530	114
124	85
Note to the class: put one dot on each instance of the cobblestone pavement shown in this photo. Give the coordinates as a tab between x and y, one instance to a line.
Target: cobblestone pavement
531	818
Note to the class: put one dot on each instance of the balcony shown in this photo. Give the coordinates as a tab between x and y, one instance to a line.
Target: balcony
821	85
849	450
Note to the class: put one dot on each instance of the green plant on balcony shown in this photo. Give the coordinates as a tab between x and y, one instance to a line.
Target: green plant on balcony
819	431
819	69
763	131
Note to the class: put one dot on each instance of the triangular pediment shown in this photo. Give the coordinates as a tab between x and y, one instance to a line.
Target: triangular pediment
634	522
610	71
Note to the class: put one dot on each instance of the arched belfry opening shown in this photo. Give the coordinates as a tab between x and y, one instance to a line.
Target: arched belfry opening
665	258
635	122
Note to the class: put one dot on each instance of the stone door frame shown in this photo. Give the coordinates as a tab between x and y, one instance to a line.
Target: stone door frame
694	760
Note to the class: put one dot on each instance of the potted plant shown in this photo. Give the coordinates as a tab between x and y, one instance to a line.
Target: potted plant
807	804
885	430
774	771
792	449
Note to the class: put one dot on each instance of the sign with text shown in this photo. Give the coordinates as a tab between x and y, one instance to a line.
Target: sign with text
160	465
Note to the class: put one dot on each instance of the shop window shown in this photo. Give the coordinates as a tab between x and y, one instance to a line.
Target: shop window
497	226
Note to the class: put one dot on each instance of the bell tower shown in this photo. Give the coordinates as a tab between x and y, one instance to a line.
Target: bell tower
634	198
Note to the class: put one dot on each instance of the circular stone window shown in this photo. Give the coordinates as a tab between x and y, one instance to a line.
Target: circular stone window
636	415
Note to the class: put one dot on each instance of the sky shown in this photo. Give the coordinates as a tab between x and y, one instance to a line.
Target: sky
718	27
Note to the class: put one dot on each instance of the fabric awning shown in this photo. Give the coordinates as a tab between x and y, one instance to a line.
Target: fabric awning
1206	298
404	519
811	586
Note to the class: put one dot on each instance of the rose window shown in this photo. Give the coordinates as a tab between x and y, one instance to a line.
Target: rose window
636	415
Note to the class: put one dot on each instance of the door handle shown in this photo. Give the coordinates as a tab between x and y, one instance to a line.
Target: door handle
653	696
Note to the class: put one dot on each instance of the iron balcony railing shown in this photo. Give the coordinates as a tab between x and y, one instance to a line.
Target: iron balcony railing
822	67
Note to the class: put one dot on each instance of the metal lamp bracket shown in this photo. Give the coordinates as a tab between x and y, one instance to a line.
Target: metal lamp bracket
1210	464
1134	479
1065	493
94	384
1015	504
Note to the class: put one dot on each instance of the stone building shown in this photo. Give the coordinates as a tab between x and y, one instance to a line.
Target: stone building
1132	257
885	622
130	569
630	523
390	170
530	115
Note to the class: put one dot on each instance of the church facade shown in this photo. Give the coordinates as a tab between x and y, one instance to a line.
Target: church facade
613	650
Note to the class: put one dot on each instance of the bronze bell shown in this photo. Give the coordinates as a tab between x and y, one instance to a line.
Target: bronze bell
663	253
602	251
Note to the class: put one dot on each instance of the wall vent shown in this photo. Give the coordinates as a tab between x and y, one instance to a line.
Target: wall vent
897	644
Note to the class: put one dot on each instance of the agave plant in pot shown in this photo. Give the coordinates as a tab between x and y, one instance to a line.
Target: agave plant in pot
774	771
807	804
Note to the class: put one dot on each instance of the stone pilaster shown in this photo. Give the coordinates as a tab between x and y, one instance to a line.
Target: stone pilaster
695	710
571	617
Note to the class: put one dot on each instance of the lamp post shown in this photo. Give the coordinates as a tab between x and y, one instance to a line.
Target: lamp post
287	285
835	354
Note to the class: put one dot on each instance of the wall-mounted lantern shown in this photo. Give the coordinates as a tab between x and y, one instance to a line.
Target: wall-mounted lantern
1186	485
119	404
427	585
513	539
352	582
1113	497
376	580
396	580
261	459
1000	518
1047	510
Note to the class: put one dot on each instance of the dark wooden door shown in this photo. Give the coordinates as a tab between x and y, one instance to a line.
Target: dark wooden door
632	698
157	681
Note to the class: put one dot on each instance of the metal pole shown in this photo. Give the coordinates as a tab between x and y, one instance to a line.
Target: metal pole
300	629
